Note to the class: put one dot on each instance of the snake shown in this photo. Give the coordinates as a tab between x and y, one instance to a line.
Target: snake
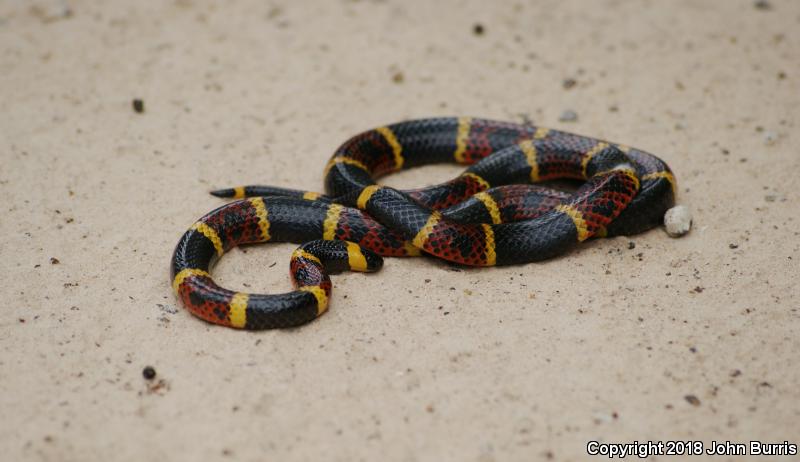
494	213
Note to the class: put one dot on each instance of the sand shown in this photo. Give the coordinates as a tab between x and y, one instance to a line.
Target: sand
693	338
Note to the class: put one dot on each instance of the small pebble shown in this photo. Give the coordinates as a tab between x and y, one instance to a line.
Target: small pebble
678	220
762	5
631	245
692	399
138	105
568	116
149	373
398	77
54	261
478	29
568	83
770	138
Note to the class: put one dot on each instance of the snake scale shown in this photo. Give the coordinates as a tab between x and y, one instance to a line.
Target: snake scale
494	213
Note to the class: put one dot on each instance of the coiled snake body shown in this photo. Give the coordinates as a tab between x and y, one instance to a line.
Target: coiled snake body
492	214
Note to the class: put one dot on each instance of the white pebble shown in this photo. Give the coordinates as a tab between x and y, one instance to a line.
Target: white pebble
678	220
568	116
770	138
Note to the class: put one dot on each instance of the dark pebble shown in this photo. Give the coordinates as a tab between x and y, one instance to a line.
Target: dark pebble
149	373
568	83
54	261
762	5
478	29
631	245
733	246
692	399
138	105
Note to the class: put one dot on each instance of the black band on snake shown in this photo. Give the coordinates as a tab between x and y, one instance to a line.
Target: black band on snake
492	214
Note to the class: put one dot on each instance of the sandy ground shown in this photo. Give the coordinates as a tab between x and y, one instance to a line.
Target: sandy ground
693	338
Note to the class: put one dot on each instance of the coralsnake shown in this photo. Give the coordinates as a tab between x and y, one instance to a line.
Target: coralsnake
492	214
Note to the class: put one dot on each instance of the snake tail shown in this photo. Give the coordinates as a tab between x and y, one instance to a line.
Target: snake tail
241	192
